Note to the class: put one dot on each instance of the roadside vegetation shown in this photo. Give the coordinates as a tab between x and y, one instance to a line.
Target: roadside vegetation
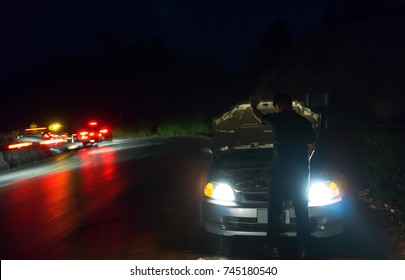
192	126
383	158
176	126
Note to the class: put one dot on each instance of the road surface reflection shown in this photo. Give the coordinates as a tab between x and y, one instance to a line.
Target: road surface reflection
40	210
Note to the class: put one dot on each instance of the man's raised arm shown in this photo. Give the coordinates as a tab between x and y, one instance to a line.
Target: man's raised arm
256	113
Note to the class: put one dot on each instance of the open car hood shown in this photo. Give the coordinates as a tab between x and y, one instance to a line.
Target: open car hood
238	128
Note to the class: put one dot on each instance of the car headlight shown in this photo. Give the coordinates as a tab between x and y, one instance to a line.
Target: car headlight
323	193
219	191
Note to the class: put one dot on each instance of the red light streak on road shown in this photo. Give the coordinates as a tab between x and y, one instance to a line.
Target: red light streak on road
39	212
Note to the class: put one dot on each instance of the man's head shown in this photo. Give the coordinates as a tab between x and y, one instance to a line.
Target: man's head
282	101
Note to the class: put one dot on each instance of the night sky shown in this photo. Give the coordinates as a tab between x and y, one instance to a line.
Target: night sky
128	61
35	32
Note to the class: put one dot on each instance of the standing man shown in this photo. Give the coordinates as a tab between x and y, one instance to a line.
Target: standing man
294	145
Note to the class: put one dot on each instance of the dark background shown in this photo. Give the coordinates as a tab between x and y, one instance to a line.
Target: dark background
125	62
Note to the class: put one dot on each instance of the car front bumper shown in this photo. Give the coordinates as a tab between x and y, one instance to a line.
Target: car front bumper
231	219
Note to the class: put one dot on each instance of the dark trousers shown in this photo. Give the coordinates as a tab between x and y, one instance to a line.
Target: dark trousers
293	188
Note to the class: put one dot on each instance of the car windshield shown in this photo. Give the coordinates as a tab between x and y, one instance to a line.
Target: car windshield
251	158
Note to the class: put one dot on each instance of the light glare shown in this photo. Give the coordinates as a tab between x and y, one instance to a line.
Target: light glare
219	191
323	193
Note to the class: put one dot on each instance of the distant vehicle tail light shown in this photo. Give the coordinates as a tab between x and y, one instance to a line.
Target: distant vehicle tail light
92	123
51	141
83	135
49	136
35	129
19	145
104	131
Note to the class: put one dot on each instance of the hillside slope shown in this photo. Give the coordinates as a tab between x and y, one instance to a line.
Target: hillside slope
362	61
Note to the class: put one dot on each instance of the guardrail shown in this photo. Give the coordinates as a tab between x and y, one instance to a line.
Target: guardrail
19	153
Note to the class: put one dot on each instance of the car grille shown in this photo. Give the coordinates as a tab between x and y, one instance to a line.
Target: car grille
247	224
256	197
250	224
253	185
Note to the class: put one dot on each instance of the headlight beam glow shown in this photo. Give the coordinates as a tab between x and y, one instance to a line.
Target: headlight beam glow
323	193
219	191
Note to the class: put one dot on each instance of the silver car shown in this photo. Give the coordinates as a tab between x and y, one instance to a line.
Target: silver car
234	194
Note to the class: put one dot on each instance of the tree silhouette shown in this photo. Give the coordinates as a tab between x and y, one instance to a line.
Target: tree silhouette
275	43
125	83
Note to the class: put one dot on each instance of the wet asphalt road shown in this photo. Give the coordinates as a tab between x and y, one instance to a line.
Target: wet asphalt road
138	199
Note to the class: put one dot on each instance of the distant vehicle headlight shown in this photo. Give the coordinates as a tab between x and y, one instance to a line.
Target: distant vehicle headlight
219	191
323	193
